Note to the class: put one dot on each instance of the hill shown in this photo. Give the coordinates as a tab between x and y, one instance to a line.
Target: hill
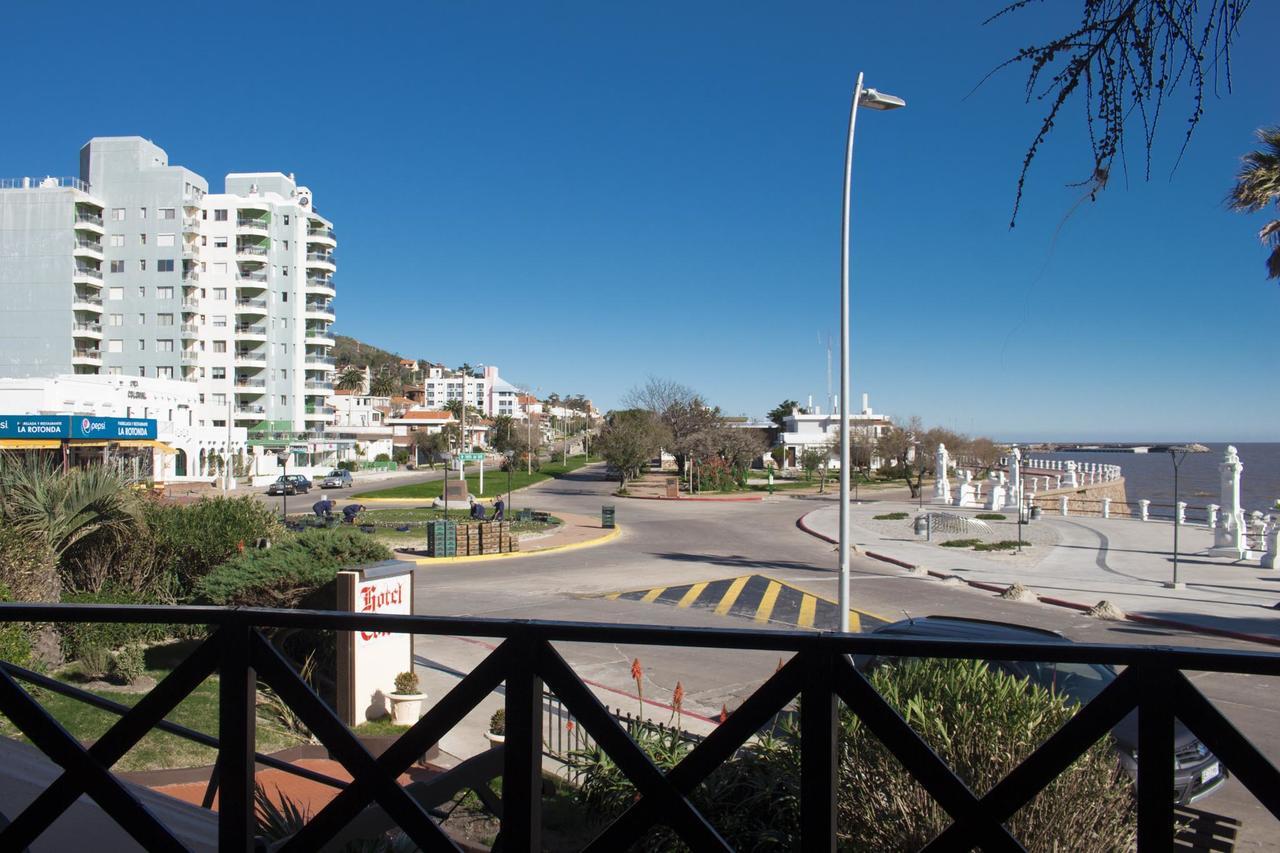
354	352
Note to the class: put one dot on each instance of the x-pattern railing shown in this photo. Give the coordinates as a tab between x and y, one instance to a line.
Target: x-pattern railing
820	672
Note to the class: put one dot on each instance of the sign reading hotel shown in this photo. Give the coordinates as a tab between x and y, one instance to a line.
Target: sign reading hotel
369	661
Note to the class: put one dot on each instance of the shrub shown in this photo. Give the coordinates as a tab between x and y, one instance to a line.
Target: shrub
991	516
382	457
498	722
348	465
1002	545
890	516
75	637
407	683
28	569
15	637
982	723
127	665
401	457
296	568
961	543
94	661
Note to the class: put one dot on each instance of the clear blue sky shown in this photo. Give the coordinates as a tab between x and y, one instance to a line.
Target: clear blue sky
588	193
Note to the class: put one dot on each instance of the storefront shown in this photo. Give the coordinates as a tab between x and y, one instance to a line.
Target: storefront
127	444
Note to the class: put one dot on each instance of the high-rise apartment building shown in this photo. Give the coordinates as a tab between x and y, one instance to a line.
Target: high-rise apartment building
136	269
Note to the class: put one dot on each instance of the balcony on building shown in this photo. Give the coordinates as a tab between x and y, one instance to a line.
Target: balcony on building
250	358
190	304
189	330
190	275
251	307
319	362
86	274
248	385
88	247
325	261
86	356
249	412
88	219
84	301
249	331
256	278
249	251
321	285
190	251
318	311
259	225
92	331
319	234
320	337
317	388
318	412
189	356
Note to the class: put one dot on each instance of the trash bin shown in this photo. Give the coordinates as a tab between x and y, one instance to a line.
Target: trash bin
1036	512
606	516
921	525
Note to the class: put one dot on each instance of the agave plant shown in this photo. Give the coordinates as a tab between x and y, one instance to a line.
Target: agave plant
58	508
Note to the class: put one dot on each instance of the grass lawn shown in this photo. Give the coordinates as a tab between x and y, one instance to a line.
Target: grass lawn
495	482
156	750
417	517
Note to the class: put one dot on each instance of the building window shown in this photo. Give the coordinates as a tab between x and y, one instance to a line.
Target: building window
142	346
220	267
219	293
117	213
142	239
167	213
117	266
142	319
164	345
115	345
284	401
164	265
164	293
142	292
164	372
285	271
117	240
284	296
142	213
286	242
164	319
219	373
113	371
219	216
115	293
204	240
219	399
142	265
164	240
286	219
219	242
142	371
219	321
115	319
219	346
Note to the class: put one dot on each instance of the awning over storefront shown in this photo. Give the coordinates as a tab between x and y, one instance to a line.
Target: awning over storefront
149	442
28	444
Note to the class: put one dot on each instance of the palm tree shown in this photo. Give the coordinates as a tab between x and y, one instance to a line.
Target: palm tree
1258	185
383	385
351	379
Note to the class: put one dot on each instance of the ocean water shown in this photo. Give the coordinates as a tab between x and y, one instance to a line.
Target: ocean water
1150	475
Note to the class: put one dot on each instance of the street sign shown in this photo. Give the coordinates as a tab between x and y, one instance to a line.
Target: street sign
471	457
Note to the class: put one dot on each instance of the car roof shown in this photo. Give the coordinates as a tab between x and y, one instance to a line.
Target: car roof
961	628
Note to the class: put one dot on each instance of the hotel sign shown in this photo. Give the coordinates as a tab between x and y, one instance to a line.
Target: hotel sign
369	661
77	427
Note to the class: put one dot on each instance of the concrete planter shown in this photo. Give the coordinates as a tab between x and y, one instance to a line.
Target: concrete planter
406	707
494	740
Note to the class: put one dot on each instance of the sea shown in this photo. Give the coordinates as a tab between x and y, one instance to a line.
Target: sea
1150	475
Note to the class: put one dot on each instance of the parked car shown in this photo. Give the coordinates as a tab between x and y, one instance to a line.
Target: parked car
1197	773
289	484
338	478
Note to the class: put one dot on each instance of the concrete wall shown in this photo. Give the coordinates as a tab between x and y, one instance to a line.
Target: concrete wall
1087	500
36	241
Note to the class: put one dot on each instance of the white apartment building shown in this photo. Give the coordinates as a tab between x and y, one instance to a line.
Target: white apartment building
135	269
488	392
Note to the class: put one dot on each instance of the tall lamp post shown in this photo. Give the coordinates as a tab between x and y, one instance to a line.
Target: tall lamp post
1176	455
874	100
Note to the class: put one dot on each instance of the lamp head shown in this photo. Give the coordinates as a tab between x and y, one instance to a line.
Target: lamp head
871	99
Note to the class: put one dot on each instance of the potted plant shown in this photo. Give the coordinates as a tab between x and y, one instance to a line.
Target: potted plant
406	701
497	727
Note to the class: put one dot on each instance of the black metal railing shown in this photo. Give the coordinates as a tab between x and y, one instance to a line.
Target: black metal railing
820	672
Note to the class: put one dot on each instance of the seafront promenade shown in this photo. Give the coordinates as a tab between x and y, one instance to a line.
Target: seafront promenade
1082	560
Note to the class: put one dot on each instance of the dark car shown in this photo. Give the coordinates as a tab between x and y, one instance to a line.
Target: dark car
290	484
1197	773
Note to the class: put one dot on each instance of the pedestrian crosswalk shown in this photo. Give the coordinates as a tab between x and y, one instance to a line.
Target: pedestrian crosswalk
756	597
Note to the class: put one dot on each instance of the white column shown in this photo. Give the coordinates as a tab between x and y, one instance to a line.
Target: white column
1144	509
1213	515
1106	507
1181	512
1062	505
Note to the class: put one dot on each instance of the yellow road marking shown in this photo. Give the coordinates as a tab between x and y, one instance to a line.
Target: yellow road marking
731	595
652	594
766	603
855	623
613	596
692	595
808	606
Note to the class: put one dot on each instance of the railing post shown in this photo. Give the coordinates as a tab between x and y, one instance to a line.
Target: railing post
522	760
237	686
818	753
1155	758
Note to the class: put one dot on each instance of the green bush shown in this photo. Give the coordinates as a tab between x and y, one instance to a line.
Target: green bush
28	570
1002	545
890	516
127	665
961	543
349	466
991	516
382	457
94	661
296	568
75	637
201	536
15	637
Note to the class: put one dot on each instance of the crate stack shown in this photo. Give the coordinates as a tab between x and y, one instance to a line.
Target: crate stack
442	539
496	538
469	540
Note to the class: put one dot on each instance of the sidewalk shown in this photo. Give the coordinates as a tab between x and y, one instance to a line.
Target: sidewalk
1079	561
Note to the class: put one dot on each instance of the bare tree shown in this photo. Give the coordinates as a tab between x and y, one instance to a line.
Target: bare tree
1126	58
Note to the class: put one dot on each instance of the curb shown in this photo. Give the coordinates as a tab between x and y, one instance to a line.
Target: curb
1057	602
476	558
725	499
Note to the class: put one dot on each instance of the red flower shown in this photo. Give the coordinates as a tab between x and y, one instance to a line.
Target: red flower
569	725
724	713
677	698
637	672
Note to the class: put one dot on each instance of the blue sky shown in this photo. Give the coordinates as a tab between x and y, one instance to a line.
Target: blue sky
586	194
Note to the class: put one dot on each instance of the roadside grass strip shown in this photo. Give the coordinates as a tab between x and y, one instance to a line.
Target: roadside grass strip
755	597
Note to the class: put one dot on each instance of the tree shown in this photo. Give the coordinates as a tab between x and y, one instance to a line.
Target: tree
811	459
1126	58
430	444
502	433
350	379
780	411
1258	185
628	441
383	385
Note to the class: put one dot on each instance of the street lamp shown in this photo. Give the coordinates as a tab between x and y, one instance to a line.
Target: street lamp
874	100
1176	455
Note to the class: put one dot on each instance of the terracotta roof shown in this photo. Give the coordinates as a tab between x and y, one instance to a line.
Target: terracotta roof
346	392
526	399
426	416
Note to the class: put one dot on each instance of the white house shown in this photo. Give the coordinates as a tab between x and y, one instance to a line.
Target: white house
801	432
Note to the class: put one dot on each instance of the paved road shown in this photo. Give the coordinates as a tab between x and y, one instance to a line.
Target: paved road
666	550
